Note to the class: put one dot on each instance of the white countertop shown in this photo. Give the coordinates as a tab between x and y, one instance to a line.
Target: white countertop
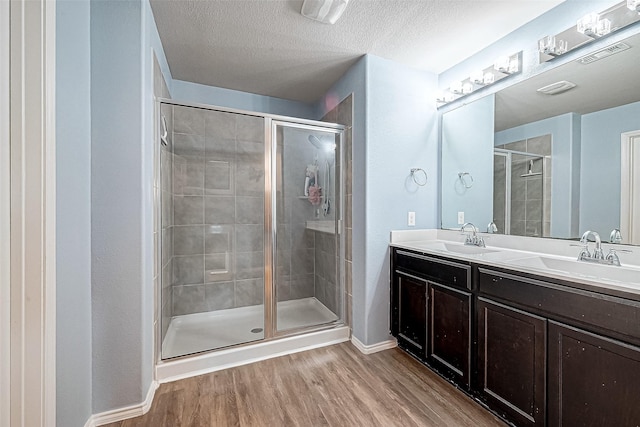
551	258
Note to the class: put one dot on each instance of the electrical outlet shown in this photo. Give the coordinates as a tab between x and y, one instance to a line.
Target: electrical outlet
411	219
460	218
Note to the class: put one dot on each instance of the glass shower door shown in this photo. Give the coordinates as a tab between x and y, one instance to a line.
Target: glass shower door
307	276
213	203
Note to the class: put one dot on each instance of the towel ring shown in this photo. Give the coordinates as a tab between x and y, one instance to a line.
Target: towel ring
466	182
419	181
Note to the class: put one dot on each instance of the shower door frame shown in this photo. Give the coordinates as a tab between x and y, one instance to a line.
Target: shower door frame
270	302
272	123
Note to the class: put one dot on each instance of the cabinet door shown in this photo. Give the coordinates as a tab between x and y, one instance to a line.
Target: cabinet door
411	314
449	331
593	380
511	362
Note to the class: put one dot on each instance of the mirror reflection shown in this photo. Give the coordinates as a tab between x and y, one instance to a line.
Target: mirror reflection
550	164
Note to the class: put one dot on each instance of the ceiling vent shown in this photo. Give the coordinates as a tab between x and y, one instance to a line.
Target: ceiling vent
603	53
557	87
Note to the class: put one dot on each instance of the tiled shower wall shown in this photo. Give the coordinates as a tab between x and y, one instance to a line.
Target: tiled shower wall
530	196
343	114
295	243
162	260
218	210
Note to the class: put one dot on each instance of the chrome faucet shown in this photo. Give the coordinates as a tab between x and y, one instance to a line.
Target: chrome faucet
472	238
597	252
492	228
598	256
615	236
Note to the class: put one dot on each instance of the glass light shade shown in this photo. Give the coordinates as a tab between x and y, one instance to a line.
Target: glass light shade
467	88
488	78
634	5
456	87
448	97
547	45
502	64
476	77
514	65
440	98
604	27
588	24
325	11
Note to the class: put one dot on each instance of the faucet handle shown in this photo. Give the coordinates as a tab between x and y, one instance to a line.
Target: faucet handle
584	253
615	236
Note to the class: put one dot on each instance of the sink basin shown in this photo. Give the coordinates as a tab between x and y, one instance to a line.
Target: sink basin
457	248
583	269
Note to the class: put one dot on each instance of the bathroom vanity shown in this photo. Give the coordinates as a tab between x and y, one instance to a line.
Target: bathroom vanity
538	339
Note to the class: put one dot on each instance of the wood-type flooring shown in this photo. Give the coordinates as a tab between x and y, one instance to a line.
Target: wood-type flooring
329	386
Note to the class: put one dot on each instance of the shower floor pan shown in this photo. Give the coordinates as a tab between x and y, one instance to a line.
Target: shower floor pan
194	333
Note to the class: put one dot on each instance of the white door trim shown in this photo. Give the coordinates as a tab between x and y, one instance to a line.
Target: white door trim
630	187
5	197
32	213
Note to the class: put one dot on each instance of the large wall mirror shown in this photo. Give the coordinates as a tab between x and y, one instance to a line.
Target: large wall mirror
550	165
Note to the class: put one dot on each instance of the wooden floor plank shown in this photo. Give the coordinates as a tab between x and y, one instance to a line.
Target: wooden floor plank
332	386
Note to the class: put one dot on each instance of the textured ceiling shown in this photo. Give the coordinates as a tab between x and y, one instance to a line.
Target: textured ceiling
267	47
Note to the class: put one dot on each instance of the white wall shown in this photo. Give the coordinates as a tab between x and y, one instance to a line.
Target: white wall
73	212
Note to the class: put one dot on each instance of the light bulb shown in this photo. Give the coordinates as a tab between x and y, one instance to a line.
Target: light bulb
502	64
476	77
456	87
467	88
488	78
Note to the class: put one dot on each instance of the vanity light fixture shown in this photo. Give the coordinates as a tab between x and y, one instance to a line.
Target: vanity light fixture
477	77
325	11
456	87
551	46
590	27
503	67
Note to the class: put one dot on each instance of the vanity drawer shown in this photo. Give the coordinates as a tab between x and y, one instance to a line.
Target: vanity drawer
598	312
439	270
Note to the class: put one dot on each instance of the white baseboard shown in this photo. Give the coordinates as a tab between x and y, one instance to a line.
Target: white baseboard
120	414
373	348
224	359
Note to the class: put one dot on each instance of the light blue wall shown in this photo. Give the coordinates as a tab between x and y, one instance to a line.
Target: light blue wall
467	146
118	249
73	213
600	171
354	81
401	134
394	130
565	190
211	95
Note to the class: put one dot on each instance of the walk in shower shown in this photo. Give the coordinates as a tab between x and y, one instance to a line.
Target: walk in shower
251	227
522	187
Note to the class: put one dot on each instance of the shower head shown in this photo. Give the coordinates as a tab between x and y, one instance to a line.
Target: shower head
315	141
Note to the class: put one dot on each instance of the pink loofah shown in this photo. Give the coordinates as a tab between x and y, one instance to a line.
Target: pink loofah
315	195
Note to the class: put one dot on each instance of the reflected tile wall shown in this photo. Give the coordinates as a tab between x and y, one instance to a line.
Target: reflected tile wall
217	209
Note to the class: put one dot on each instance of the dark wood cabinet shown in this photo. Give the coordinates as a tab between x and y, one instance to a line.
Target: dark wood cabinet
409	313
536	350
593	380
450	332
511	362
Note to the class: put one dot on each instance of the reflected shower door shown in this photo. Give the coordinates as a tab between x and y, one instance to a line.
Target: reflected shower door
307	276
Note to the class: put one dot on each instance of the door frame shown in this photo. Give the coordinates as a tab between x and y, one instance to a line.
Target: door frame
31	222
629	200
